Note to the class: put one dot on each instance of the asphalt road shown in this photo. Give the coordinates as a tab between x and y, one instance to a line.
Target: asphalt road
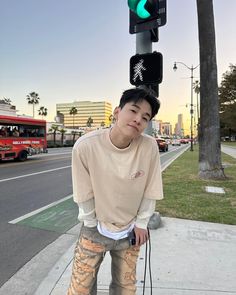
28	186
18	196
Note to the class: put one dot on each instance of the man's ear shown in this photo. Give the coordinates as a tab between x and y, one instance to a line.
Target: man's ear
116	112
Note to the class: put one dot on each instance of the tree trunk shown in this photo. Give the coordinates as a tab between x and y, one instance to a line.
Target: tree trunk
54	138
210	166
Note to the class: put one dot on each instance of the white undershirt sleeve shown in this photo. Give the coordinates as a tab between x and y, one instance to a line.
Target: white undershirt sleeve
87	213
146	210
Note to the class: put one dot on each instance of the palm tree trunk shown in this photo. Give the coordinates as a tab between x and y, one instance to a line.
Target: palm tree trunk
54	138
210	166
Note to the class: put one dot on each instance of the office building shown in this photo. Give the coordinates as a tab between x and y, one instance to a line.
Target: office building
166	128
163	128
6	108
99	111
179	126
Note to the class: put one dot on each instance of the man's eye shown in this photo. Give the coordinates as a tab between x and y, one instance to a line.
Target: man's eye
133	111
145	119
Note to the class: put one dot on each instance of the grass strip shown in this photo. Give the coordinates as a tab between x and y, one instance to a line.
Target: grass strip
185	196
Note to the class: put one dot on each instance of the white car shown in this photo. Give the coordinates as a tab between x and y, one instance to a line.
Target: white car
176	141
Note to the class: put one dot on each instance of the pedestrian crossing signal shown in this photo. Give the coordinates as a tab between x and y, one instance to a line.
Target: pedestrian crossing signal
146	69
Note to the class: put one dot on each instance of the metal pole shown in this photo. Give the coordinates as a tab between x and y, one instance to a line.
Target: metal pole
144	45
197	109
197	101
191	110
191	104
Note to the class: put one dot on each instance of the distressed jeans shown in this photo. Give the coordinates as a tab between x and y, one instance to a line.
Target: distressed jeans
89	253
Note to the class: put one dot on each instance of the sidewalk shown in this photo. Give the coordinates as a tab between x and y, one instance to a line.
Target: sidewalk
188	258
231	151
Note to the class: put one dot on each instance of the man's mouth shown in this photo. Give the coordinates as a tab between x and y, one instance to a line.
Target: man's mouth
133	127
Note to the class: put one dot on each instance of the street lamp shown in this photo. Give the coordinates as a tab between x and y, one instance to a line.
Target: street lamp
191	104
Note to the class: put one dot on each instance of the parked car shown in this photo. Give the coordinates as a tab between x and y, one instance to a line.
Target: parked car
162	144
184	140
176	141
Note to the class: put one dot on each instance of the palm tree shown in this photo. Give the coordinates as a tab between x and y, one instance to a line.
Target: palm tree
74	133
62	131
6	100
210	166
33	98
54	129
73	112
89	122
43	112
111	119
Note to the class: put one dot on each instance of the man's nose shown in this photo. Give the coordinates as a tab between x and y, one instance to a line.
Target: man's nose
137	119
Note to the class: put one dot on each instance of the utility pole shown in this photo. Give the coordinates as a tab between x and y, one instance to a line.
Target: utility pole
191	97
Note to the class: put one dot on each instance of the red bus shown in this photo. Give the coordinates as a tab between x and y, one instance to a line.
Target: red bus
21	136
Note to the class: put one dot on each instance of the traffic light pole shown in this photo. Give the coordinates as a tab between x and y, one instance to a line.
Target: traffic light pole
143	42
144	45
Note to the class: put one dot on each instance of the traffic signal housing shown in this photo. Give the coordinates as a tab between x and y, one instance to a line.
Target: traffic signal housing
144	8
146	15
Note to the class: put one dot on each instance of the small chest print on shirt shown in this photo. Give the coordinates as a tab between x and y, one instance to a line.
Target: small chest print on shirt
137	174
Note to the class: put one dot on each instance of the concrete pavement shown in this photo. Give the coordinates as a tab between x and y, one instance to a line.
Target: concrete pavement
230	150
188	258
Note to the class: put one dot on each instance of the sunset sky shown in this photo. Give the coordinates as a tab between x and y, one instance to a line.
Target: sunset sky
80	50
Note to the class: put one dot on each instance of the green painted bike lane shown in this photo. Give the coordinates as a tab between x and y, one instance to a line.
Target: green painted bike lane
59	218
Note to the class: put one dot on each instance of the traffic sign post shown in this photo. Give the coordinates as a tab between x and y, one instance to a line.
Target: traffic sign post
146	69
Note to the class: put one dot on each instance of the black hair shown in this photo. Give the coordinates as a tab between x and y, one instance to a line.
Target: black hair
139	94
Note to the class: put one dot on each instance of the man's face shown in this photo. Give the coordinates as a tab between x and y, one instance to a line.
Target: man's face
133	118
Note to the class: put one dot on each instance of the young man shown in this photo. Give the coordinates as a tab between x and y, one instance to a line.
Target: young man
116	177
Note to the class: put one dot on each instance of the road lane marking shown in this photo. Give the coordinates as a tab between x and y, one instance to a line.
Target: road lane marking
43	159
32	161
54	154
171	160
36	173
14	221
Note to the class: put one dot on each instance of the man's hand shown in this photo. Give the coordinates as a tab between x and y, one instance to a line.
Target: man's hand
141	236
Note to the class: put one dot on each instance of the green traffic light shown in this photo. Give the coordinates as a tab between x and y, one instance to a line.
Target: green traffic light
137	6
133	4
141	11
